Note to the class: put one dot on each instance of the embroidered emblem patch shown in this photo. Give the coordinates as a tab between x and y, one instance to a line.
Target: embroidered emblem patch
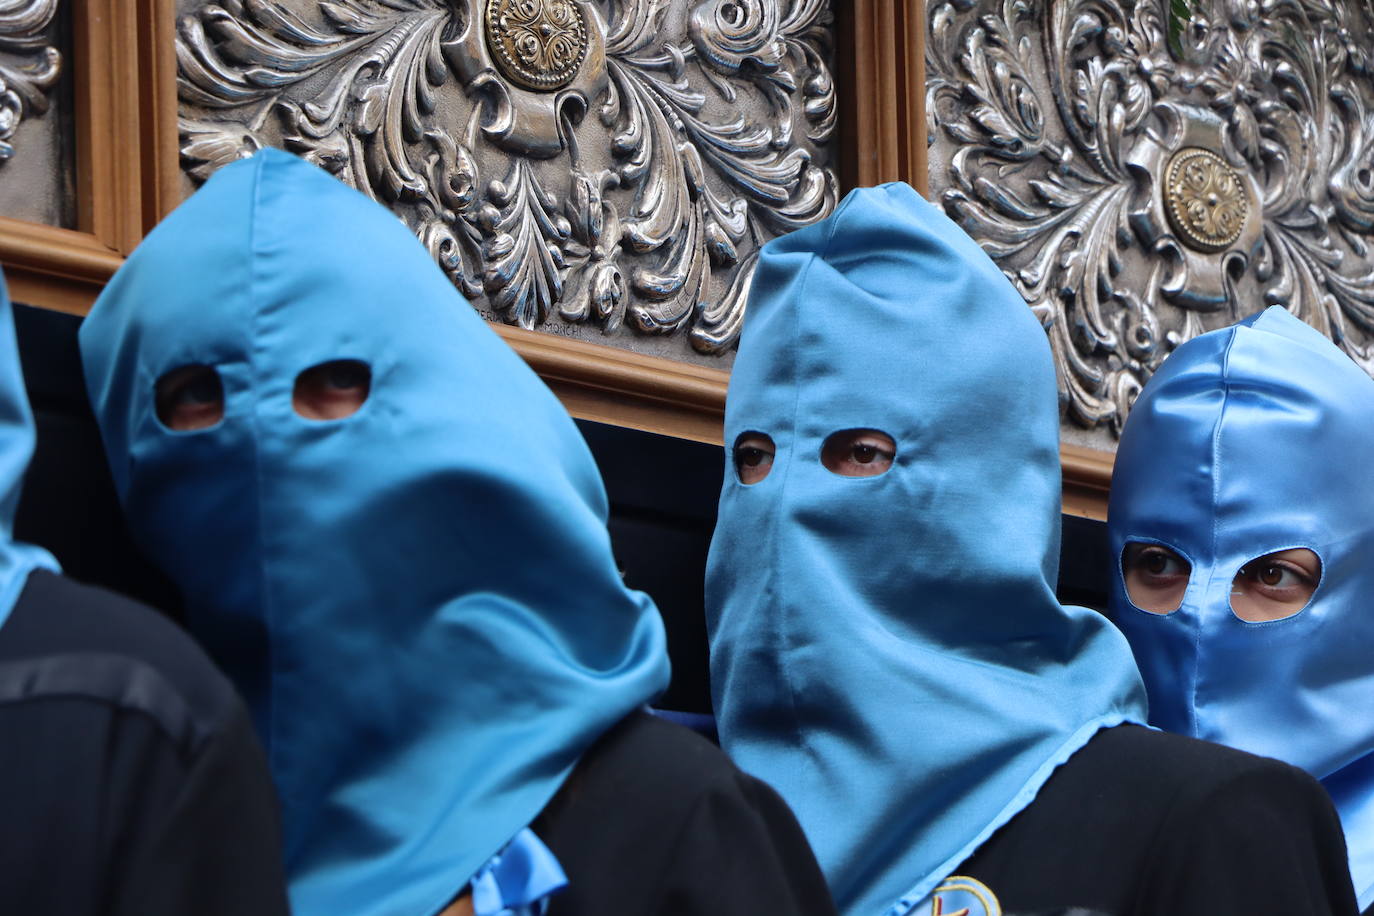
960	896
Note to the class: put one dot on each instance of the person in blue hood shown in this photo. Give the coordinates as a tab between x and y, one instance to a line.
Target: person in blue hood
1243	517
393	537
130	779
886	646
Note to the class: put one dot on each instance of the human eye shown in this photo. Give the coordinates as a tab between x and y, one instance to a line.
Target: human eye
1162	563
1277	577
332	390
753	457
1276	585
858	452
1156	577
868	452
189	398
345	374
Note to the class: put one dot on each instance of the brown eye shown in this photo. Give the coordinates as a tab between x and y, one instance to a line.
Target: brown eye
753	457
1276	585
858	452
1156	577
190	398
332	390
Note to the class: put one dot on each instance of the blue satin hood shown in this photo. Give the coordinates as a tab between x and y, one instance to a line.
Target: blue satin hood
1249	440
17	559
418	601
888	651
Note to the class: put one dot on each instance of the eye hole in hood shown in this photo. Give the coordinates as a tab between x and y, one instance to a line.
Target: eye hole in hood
1156	576
858	453
753	456
1276	585
190	398
332	390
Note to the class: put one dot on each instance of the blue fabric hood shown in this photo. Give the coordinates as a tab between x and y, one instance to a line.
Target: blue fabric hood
1249	440
17	559
418	601
888	651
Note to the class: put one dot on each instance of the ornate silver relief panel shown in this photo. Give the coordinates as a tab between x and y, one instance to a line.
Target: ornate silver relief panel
1138	197
602	169
36	181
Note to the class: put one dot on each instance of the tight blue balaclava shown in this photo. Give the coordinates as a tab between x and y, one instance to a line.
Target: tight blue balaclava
17	559
418	601
1249	440
888	651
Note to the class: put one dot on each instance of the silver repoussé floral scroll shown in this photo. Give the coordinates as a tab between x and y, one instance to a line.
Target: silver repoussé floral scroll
1136	196
604	169
33	148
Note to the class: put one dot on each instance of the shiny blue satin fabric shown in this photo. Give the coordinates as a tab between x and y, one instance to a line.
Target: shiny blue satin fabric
1249	440
888	651
418	601
17	559
518	880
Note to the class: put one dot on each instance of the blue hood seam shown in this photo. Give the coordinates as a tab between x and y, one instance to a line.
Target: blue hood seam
255	418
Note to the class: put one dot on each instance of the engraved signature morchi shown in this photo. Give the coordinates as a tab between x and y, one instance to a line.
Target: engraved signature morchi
538	44
1204	199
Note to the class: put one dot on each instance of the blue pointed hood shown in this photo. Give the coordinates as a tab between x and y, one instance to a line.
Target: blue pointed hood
888	651
1250	440
17	559
418	601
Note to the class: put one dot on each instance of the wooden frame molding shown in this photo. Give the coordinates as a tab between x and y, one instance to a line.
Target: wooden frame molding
616	386
157	75
109	176
63	268
881	48
1087	480
55	268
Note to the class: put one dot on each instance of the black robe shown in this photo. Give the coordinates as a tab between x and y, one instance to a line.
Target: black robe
130	778
656	820
1142	823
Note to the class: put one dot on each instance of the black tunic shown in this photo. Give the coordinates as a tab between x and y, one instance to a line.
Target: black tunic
1140	822
130	779
656	820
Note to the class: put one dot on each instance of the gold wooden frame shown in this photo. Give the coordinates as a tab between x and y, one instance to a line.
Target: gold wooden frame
129	177
64	268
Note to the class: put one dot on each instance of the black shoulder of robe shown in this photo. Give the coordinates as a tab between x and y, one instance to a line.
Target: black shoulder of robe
130	778
656	819
1141	822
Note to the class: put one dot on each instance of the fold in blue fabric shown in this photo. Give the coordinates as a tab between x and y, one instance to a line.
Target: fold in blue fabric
17	559
1250	440
419	601
888	651
518	880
